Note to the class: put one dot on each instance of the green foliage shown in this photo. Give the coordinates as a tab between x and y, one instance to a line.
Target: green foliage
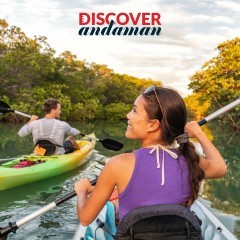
197	110
90	109
117	110
218	82
30	74
24	62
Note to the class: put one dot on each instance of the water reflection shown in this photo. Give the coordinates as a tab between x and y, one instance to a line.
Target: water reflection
58	223
224	193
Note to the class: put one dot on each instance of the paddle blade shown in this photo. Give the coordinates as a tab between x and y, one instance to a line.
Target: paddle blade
5	108
112	144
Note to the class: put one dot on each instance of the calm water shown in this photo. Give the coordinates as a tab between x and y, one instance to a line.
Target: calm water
221	196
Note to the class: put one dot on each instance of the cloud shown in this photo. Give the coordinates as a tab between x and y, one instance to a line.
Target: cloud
191	31
38	9
229	5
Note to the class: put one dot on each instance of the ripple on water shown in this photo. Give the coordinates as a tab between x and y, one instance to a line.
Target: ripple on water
59	223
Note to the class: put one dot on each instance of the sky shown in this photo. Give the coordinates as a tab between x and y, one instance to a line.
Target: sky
191	32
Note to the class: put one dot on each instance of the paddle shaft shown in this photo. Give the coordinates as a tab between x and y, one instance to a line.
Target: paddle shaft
219	112
46	208
13	226
96	139
7	159
22	114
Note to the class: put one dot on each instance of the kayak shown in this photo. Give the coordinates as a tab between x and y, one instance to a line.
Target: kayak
211	227
12	174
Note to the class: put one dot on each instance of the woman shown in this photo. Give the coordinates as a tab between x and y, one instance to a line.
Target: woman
156	173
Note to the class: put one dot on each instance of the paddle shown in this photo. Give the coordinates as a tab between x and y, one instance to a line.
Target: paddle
13	226
5	108
5	160
219	112
107	143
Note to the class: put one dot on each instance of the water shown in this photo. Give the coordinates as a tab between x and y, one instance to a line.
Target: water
221	195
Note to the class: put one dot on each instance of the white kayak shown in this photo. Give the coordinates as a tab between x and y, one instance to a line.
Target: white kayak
91	232
212	228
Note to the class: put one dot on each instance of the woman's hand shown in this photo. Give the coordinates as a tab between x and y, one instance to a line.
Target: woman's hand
213	164
83	185
193	129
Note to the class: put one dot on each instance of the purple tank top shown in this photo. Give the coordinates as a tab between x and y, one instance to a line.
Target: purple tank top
144	187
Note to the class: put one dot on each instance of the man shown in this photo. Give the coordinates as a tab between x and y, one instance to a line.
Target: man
51	128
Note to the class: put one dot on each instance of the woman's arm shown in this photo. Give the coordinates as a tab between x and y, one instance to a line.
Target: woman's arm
213	164
88	207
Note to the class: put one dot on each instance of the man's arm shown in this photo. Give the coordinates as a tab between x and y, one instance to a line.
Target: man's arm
70	131
26	129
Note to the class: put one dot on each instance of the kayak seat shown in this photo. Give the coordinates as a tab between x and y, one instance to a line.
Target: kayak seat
45	147
166	222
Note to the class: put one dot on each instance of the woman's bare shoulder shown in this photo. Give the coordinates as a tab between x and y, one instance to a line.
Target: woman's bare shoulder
120	169
120	160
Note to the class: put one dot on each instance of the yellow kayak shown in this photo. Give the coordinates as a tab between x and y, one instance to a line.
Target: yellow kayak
44	166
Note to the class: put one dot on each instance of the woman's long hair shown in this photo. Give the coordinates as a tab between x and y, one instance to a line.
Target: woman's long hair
171	112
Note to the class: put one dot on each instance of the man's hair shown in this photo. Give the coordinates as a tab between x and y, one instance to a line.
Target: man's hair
50	104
